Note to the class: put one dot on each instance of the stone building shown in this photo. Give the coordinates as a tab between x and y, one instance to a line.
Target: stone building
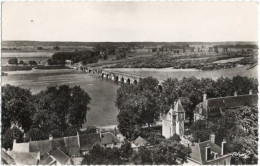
206	108
173	121
208	153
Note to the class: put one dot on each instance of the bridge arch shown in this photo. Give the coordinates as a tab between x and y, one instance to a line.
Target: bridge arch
128	81
122	80
135	82
116	79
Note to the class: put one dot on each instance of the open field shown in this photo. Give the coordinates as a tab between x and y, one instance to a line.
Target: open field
229	60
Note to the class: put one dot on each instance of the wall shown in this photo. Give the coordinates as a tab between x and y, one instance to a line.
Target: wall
166	129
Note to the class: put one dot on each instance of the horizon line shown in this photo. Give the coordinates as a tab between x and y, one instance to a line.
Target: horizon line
130	41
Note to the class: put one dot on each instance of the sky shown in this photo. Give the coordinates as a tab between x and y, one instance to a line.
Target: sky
130	21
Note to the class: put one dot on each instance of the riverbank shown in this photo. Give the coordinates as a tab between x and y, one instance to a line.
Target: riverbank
28	68
165	73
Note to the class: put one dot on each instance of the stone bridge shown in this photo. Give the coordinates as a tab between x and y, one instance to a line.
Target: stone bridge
115	76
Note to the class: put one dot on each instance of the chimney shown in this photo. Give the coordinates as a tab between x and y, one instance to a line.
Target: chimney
50	137
98	131
212	138
235	93
223	147
14	142
250	91
24	137
204	97
115	131
100	135
208	152
78	139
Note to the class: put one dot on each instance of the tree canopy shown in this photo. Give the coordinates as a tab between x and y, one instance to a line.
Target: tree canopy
141	105
238	126
138	105
17	107
58	111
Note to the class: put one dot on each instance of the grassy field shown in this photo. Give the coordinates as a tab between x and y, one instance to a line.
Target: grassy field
16	68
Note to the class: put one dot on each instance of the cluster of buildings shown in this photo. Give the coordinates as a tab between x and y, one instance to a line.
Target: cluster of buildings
66	150
207	152
189	49
58	151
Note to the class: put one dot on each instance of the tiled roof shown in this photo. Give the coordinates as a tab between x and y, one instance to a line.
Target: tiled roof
109	138
233	101
6	159
60	156
87	141
46	161
71	141
198	151
57	142
43	146
227	102
72	145
24	158
140	141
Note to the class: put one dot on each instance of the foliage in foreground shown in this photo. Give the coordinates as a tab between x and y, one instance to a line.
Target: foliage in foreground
58	111
238	126
167	152
141	105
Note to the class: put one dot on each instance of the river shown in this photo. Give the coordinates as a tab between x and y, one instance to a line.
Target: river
103	93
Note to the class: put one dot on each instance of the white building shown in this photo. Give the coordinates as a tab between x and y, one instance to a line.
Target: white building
173	121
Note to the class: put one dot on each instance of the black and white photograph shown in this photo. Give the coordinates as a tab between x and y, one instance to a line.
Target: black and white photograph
129	82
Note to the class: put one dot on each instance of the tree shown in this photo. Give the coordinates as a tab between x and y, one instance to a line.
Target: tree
60	107
13	61
22	62
32	63
40	48
199	131
35	134
175	138
17	107
138	105
56	48
167	152
100	155
10	135
239	126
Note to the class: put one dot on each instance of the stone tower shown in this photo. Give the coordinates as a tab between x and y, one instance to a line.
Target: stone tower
173	121
180	118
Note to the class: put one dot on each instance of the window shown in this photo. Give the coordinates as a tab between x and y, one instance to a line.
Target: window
225	162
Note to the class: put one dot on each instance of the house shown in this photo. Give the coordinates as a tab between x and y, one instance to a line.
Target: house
138	142
25	158
208	153
6	159
173	121
57	157
206	108
73	145
110	140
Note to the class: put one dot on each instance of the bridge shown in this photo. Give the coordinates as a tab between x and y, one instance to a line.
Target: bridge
115	76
